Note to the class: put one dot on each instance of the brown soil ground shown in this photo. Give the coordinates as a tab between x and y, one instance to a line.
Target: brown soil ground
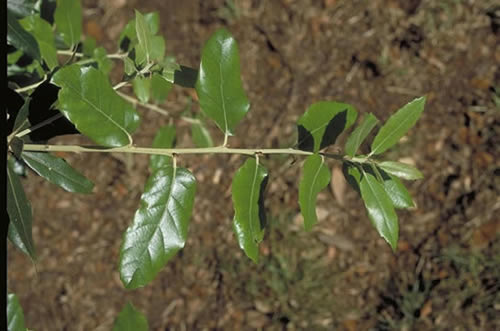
377	55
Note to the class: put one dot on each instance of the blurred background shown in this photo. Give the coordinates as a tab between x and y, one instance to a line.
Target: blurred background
376	55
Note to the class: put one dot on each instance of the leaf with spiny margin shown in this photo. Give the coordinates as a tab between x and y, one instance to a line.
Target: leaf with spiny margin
200	134
68	19
160	225
401	170
219	85
322	123
19	210
359	134
18	37
15	315
315	177
165	138
380	209
248	187
87	99
142	88
160	88
397	125
144	35
130	319
57	171
42	31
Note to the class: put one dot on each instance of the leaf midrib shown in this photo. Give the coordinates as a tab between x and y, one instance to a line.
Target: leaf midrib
77	91
379	203
392	133
30	248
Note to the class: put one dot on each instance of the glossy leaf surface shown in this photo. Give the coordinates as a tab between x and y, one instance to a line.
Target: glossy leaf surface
15	315
130	319
68	19
18	37
87	99
164	138
359	134
42	31
322	123
160	225
401	170
380	209
219	86
397	192
58	172
249	220
315	177
19	210
397	125
21	8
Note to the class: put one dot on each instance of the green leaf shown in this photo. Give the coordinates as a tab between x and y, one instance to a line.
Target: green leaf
88	46
87	99
160	88
157	48
359	134
248	187
144	35
129	31
219	86
21	8
15	315
352	175
322	123
103	62
42	31
380	209
20	38
129	66
160	225
401	170
22	116
201	136
397	192
130	319
68	19
315	177
19	210
142	87
169	67
397	125
165	138
57	171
